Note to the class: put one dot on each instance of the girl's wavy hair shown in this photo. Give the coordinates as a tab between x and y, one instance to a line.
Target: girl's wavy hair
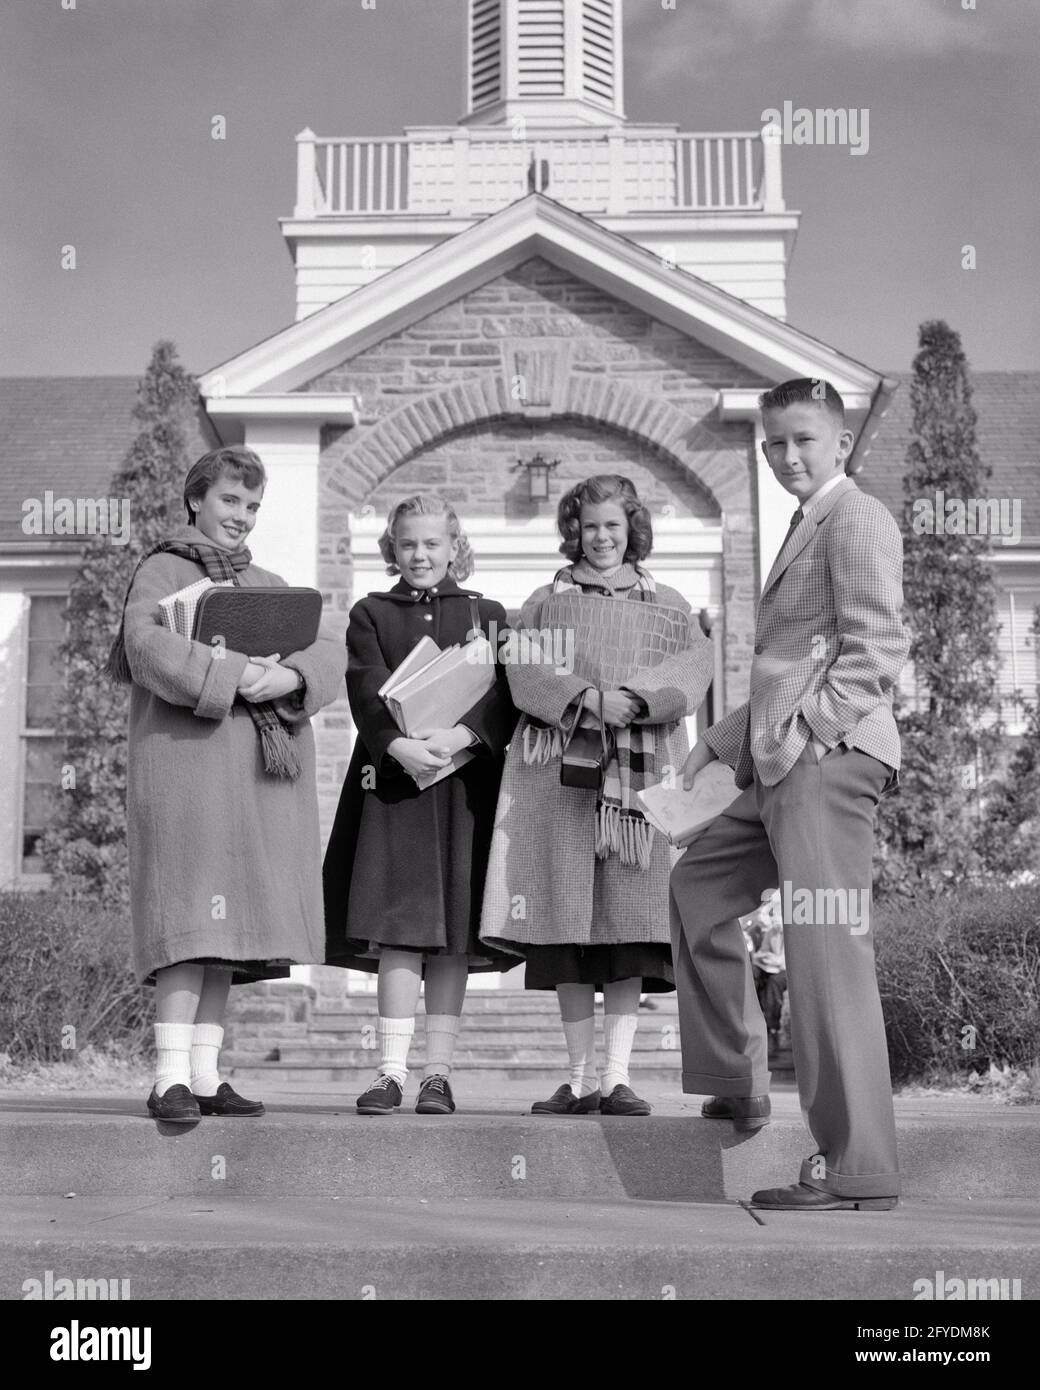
235	460
605	487
427	504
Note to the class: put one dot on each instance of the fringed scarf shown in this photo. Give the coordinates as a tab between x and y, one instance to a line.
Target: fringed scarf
277	740
621	827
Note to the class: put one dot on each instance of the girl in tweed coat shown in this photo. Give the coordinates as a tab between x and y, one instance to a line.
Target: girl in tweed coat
580	888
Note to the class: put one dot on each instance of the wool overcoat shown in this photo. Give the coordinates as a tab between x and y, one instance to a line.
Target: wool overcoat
404	867
545	885
225	859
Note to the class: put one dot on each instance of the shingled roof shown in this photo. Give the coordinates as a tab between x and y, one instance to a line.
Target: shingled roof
66	434
1008	409
69	435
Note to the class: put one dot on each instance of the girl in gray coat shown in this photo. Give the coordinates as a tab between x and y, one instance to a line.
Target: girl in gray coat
222	808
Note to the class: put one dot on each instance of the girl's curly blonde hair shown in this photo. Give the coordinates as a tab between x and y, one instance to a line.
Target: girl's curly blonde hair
428	504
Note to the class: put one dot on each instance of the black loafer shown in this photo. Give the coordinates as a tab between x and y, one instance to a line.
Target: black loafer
801	1197
746	1112
435	1097
623	1101
381	1098
564	1102
229	1102
176	1106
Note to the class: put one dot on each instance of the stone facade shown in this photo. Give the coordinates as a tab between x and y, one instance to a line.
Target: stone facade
536	361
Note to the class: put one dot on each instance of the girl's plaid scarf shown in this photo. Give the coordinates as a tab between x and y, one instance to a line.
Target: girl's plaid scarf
277	740
621	827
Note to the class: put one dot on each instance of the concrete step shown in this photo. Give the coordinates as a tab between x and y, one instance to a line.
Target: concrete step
488	1149
336	1047
221	1246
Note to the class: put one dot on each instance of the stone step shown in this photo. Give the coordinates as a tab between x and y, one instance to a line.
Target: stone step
506	1003
538	1075
503	1054
327	1025
227	1247
646	1039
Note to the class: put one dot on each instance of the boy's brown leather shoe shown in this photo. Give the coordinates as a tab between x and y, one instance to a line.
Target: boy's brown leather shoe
746	1112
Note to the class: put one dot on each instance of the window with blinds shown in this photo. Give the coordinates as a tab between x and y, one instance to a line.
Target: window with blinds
1019	668
1018	673
485	53
597	50
540	48
41	748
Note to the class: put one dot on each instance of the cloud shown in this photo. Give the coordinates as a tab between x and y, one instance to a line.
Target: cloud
718	29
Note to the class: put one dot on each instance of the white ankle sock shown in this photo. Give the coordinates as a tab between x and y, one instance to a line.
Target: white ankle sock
206	1042
395	1036
619	1031
172	1055
441	1032
581	1049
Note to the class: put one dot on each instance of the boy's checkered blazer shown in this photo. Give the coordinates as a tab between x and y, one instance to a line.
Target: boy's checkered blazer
829	643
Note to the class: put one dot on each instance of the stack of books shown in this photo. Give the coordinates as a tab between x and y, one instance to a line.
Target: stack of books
681	815
433	689
178	610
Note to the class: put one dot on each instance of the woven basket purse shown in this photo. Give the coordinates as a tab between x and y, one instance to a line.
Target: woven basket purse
614	641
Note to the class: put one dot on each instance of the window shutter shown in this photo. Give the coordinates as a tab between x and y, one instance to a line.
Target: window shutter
486	53
597	51
540	46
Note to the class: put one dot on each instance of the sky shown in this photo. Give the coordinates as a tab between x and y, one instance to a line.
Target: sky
106	111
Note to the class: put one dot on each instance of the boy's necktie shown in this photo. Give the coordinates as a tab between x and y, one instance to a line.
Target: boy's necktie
795	519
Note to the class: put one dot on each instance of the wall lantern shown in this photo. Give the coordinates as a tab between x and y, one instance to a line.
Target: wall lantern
538	470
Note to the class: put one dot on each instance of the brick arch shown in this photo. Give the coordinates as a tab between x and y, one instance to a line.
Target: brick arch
480	400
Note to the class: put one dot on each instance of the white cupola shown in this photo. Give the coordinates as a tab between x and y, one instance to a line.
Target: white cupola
551	62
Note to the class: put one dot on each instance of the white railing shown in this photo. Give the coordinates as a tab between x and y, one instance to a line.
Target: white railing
470	173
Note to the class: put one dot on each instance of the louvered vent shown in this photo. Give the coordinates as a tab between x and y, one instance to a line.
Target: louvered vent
540	71
597	51
486	53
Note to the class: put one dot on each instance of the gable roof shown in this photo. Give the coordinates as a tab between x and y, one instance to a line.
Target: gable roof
532	226
67	435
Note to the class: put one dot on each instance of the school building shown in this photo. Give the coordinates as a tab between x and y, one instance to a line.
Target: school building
493	310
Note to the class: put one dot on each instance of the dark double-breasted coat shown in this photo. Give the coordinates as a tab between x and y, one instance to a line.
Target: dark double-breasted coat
405	868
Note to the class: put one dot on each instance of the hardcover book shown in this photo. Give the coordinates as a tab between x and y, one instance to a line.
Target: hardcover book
433	689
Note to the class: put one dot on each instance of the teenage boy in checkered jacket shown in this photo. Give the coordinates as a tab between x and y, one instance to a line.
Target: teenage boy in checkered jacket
814	748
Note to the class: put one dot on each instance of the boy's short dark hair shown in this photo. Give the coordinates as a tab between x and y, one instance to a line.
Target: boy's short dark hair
807	390
235	460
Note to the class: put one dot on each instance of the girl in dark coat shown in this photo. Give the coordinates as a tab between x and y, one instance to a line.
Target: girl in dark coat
404	869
